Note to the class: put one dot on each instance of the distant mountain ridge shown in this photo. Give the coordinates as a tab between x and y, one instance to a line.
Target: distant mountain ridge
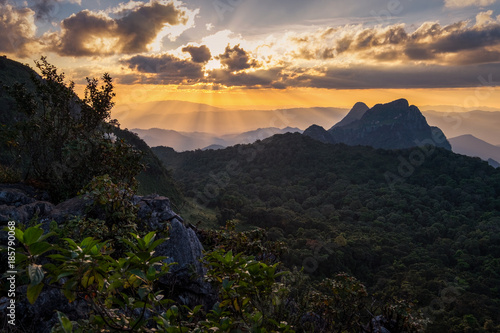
471	146
394	125
182	141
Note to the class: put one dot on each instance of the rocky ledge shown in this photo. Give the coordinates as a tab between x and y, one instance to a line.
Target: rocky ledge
24	204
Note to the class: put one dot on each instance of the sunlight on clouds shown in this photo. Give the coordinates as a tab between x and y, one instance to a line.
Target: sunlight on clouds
104	45
217	42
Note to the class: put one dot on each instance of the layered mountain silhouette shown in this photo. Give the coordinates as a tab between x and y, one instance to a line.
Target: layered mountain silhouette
395	125
471	146
183	141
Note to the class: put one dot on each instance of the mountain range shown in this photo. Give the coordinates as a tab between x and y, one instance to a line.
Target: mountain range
193	117
182	141
394	125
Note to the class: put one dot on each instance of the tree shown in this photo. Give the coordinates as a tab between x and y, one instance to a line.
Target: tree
66	141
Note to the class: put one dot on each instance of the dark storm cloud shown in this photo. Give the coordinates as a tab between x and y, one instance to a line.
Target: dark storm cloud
166	69
368	77
430	43
128	34
236	59
259	78
140	27
468	39
199	54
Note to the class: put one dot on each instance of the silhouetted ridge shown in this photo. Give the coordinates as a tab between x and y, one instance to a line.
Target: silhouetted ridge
395	125
357	111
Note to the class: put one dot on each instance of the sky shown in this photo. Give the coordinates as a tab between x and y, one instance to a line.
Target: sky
258	54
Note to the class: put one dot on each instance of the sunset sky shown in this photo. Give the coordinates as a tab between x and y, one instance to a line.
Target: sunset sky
245	54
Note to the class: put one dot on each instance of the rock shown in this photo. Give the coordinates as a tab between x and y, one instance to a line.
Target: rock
42	316
70	208
20	203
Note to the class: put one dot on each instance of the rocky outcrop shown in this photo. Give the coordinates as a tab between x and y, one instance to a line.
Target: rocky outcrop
395	125
23	204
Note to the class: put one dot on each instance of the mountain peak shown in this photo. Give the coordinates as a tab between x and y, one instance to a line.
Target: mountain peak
394	125
357	111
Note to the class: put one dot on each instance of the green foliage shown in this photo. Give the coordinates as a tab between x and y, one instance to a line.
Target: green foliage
154	178
430	232
250	296
66	141
113	201
119	290
339	302
252	242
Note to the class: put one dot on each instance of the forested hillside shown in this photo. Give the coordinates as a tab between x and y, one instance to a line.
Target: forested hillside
422	224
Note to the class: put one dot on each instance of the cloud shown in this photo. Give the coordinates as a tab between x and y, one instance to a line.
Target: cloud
430	43
18	30
347	57
48	9
264	78
376	77
165	69
236	59
88	33
199	54
468	3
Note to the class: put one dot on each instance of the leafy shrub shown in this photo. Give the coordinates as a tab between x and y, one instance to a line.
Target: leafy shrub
66	141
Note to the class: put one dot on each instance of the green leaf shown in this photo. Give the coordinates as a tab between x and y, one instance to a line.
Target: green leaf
149	237
71	243
139	273
32	235
19	235
39	248
143	292
156	243
33	292
35	274
60	276
66	324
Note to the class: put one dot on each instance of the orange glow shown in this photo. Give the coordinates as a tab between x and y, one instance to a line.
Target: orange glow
261	99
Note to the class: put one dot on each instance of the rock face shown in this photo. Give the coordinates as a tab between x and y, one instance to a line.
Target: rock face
394	125
23	204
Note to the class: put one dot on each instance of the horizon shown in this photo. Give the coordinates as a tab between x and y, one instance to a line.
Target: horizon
243	55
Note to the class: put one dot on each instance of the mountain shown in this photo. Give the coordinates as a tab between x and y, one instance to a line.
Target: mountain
471	146
213	147
483	125
219	121
154	179
258	134
182	141
402	226
394	125
318	133
357	111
